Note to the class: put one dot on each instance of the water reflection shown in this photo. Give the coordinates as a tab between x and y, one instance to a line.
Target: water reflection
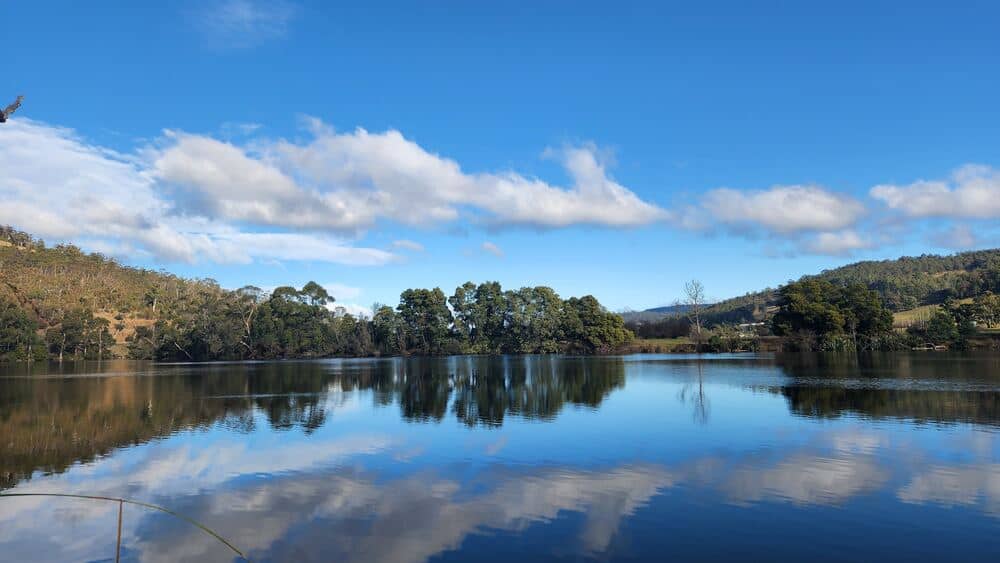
694	395
537	458
922	388
50	423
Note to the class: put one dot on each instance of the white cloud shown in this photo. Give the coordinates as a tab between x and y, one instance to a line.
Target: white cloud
60	187
955	486
972	192
353	309
238	24
492	249
193	197
408	245
342	291
781	210
958	237
346	182
231	129
796	218
841	243
805	479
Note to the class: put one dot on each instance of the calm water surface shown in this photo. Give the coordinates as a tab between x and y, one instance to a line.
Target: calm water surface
540	458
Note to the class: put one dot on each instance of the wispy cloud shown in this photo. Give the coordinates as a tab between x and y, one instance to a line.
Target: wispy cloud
241	24
958	237
492	249
408	245
233	129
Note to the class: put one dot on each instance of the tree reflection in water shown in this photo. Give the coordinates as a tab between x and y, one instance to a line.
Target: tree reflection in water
930	387
51	423
696	396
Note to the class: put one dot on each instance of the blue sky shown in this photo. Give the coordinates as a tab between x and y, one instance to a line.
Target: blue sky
617	149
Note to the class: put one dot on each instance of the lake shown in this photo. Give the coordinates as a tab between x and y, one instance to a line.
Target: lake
539	458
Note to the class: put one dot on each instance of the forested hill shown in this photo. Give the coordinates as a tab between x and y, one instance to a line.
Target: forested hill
61	302
903	284
62	284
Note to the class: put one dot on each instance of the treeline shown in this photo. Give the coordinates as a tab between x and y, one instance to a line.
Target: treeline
290	323
908	282
61	303
297	323
957	323
816	314
902	284
819	315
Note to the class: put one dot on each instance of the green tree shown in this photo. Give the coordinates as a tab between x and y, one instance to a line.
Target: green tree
316	295
590	328
987	309
18	338
388	333
463	305
426	321
838	317
942	328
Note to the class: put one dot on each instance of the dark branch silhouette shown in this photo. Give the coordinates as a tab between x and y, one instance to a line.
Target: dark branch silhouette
9	110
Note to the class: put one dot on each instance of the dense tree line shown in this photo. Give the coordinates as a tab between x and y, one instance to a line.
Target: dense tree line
65	304
290	323
819	315
78	335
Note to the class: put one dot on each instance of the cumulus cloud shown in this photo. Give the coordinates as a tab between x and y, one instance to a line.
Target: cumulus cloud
801	219
58	186
782	209
346	182
841	243
190	197
239	24
492	249
972	192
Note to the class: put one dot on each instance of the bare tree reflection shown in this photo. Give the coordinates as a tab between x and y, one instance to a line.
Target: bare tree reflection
695	396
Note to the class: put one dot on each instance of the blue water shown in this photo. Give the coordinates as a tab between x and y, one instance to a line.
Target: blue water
541	458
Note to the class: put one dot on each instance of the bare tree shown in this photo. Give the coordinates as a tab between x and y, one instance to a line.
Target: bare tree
694	303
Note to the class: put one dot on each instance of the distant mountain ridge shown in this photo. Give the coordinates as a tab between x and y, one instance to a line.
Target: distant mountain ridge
655	313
